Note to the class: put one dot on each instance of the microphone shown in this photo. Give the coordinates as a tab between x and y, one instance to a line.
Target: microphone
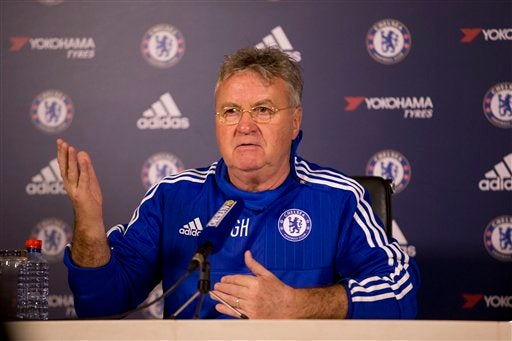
216	231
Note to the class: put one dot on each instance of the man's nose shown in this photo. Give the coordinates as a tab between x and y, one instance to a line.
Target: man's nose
246	122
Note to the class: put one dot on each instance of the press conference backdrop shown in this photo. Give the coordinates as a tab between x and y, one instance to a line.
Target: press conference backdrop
419	92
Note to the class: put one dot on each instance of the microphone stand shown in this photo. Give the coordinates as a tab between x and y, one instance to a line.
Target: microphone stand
203	288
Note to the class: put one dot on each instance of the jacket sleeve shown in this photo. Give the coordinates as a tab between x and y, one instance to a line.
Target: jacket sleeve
132	271
380	279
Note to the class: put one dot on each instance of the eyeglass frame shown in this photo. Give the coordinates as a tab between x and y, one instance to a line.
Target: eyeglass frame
251	113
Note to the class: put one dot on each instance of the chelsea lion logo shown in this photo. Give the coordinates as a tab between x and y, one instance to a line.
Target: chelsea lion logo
498	238
294	225
163	46
498	105
55	234
392	165
159	166
52	111
388	41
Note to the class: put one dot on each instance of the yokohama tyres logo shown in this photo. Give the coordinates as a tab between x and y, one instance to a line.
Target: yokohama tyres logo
353	103
74	47
491	301
413	107
489	34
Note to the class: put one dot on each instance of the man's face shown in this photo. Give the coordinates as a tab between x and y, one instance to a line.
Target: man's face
249	146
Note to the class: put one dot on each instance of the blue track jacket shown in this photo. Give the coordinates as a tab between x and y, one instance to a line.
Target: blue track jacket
314	230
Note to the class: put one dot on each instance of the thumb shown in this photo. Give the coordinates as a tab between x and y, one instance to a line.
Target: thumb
255	267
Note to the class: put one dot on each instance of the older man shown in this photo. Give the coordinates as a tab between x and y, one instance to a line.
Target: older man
306	244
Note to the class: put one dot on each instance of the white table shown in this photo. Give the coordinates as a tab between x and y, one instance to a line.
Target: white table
259	330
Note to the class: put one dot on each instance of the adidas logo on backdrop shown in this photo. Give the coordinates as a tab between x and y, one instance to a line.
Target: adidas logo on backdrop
499	178
193	228
279	39
163	114
48	181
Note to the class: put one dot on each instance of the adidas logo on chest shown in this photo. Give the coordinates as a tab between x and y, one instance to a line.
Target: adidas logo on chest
192	228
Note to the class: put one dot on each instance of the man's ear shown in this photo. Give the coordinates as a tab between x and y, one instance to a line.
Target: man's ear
297	120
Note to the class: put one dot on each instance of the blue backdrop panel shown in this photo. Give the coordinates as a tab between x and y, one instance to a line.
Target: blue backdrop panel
419	92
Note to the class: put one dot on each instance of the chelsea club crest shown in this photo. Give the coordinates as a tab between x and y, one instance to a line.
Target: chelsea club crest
52	111
163	46
498	105
158	166
55	234
294	225
498	238
388	41
393	165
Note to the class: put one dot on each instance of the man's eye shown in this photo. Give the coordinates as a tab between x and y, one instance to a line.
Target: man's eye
261	110
231	112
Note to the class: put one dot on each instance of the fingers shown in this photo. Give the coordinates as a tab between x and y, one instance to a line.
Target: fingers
68	164
232	300
230	305
233	285
90	169
230	283
62	157
72	172
75	167
251	293
255	267
83	172
224	309
233	290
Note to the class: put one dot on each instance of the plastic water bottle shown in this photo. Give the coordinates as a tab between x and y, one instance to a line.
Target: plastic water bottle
11	262
33	280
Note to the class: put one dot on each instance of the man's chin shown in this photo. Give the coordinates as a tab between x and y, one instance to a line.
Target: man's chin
249	167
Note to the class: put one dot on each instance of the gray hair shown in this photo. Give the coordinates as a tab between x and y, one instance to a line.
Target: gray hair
268	62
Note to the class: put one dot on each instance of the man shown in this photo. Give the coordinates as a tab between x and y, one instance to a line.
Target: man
306	244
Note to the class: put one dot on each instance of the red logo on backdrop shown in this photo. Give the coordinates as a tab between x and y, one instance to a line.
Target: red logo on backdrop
353	103
471	300
469	34
489	34
490	301
17	43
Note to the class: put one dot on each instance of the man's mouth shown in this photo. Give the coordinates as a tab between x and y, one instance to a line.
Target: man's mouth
247	145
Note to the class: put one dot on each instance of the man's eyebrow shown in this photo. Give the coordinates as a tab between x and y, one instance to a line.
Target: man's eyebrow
236	105
230	104
263	101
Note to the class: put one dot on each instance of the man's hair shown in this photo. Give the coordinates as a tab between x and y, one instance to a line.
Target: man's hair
268	62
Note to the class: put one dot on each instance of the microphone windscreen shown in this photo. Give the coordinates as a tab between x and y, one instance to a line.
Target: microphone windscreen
220	225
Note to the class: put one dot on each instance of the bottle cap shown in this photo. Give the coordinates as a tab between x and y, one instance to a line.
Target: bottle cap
34	244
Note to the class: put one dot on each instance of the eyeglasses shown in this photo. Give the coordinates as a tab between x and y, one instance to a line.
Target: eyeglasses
259	114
